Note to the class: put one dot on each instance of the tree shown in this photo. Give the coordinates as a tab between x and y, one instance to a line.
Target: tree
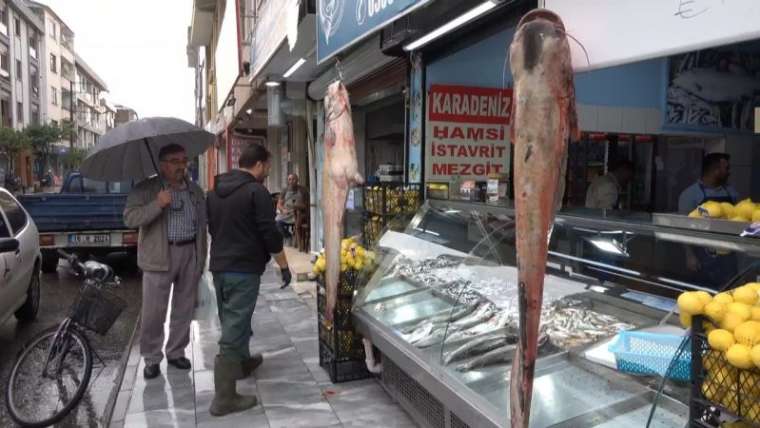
74	158
42	138
12	142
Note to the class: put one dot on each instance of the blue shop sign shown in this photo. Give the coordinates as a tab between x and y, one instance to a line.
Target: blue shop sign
342	23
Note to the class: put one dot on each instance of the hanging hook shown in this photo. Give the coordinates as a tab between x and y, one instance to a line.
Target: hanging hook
339	69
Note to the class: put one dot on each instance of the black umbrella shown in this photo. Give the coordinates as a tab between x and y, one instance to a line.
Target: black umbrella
130	151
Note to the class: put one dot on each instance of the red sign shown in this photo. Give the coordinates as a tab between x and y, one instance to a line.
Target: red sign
467	133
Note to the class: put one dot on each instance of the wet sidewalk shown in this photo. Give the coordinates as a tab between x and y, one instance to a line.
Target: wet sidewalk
293	390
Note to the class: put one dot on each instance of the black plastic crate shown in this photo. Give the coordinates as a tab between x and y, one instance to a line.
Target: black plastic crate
341	351
718	388
342	369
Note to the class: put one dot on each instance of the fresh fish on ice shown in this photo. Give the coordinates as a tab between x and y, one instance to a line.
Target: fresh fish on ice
499	323
341	171
499	355
484	312
543	120
478	346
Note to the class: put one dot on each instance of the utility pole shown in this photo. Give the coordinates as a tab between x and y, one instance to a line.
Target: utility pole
71	115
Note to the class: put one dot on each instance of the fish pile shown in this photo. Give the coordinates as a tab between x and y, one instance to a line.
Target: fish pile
570	327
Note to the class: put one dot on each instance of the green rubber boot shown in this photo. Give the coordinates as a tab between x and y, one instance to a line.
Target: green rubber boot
252	364
226	399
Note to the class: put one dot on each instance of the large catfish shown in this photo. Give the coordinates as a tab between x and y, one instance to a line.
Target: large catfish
544	119
341	172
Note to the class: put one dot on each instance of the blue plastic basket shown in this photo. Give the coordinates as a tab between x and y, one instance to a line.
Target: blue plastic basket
643	353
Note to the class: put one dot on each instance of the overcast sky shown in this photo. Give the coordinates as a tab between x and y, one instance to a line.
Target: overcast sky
138	48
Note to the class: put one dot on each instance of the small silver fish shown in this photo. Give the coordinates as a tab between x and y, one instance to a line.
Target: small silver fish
483	312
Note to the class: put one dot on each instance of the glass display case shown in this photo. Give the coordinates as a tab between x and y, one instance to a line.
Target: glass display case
442	308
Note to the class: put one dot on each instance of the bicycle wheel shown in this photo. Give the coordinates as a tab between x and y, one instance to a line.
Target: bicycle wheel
49	378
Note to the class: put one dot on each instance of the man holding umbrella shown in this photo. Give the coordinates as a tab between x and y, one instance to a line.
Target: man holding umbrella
170	212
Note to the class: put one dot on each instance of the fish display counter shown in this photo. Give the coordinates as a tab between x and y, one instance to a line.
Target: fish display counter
442	310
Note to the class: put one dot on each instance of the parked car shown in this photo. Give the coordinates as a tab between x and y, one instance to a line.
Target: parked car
86	218
20	261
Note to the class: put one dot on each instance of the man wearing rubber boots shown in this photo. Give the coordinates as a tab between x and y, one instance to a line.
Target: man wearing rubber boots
243	236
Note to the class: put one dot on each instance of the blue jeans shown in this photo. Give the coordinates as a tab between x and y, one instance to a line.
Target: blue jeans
236	295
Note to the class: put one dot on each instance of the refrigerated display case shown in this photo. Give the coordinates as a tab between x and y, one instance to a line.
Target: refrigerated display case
442	310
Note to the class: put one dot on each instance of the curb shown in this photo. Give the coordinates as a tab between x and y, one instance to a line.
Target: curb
113	397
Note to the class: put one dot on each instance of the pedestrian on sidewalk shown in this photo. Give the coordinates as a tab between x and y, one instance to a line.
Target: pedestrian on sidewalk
294	198
243	236
170	211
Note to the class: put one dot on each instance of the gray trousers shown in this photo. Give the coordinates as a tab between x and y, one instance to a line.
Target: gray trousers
184	275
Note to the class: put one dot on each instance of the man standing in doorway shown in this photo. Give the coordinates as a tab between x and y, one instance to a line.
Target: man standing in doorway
170	211
294	198
712	187
243	235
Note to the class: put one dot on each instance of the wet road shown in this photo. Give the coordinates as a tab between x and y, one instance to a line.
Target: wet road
57	294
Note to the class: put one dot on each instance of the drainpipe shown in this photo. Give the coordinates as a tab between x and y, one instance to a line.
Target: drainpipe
374	367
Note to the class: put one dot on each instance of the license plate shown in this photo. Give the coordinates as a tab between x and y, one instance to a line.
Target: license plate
97	240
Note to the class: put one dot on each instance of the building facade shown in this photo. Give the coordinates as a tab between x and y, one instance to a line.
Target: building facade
90	88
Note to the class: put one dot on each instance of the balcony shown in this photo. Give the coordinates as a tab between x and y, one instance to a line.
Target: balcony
3	29
33	53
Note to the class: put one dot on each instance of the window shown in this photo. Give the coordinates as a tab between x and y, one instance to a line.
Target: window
3	227
53	63
5	67
54	95
53	30
16	216
17	26
54	123
92	186
19	70
19	112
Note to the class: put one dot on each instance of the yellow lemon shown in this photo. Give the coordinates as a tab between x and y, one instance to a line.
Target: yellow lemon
724	374
711	360
695	214
738	356
753	285
713	208
704	296
731	321
741	309
690	303
361	252
343	267
745	295
685	319
716	311
756	215
751	412
730	400
738	218
728	209
724	298
755	354
749	384
745	209
755	313
746	333
720	339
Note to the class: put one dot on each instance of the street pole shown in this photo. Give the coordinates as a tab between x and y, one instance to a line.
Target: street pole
71	115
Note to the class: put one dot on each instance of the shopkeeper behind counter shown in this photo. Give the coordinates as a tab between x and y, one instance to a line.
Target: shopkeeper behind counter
710	267
712	187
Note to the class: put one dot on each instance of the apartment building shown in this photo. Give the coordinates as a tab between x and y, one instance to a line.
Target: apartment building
21	74
89	110
124	114
57	59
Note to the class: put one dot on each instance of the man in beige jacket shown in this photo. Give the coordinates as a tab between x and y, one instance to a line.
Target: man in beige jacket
170	211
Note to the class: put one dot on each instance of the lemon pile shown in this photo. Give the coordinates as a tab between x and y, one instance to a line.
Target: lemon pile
734	327
744	211
352	257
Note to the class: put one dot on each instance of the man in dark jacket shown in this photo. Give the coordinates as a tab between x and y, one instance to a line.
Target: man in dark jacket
243	235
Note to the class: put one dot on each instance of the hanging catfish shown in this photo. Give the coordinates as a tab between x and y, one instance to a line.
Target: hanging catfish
543	119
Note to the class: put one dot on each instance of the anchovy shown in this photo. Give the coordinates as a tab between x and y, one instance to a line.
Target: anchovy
543	120
433	338
477	346
419	332
499	355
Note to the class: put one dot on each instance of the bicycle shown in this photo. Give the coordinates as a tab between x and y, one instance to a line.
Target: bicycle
52	371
